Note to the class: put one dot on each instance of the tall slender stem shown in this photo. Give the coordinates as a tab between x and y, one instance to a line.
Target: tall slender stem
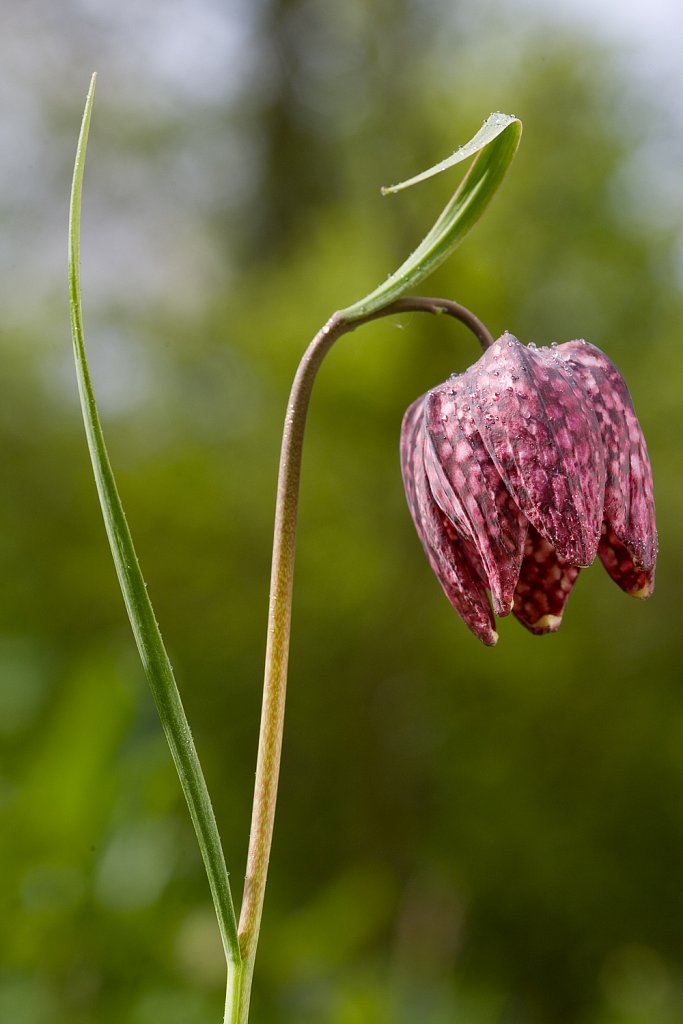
280	609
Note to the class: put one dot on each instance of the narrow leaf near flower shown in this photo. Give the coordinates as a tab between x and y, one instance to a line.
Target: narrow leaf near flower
536	462
493	149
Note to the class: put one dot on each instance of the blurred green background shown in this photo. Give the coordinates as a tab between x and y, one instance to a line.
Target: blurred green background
464	836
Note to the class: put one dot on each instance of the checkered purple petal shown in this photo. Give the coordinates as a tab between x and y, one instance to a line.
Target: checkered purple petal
454	560
468	488
628	546
544	439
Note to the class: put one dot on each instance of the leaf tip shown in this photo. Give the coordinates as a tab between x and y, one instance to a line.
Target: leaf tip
494	125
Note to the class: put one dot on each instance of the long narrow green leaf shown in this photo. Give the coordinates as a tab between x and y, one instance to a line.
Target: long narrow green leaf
493	147
145	629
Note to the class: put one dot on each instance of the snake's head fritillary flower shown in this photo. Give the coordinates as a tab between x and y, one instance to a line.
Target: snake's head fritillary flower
518	472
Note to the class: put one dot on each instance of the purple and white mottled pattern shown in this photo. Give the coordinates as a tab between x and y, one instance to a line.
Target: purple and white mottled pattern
628	546
453	559
468	488
518	472
545	442
619	562
545	582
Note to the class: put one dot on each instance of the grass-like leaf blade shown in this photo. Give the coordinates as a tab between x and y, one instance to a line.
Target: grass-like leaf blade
143	622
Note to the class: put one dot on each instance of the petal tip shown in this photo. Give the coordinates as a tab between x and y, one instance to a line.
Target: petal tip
546	624
501	605
625	567
642	592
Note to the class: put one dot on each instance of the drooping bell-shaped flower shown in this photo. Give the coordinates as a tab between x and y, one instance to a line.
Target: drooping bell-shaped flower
518	472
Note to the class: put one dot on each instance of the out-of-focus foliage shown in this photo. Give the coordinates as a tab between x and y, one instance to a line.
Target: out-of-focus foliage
464	835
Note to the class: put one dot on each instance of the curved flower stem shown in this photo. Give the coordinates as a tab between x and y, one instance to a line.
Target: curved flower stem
279	616
419	304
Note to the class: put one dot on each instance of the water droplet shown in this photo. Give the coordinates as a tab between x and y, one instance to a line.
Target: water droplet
454	376
554	345
496	396
496	373
532	345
